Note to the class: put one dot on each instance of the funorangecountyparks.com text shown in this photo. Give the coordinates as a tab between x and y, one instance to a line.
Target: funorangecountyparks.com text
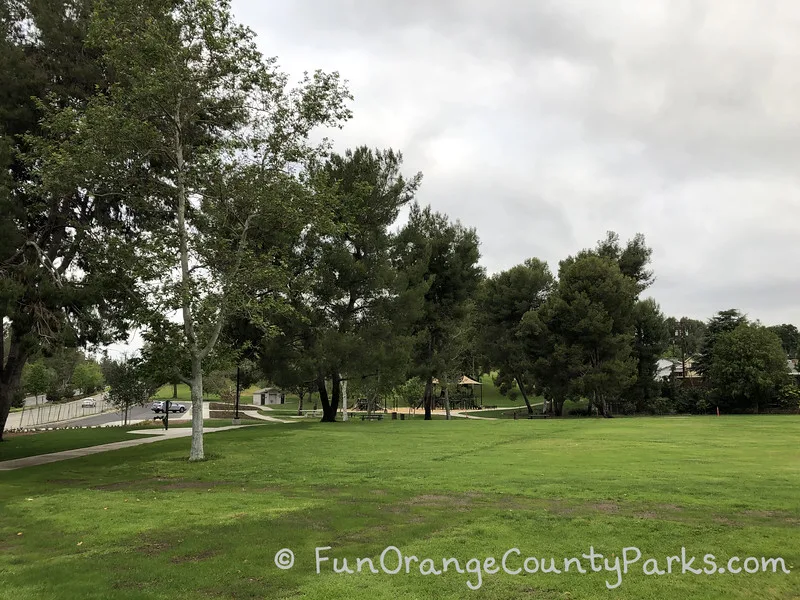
514	561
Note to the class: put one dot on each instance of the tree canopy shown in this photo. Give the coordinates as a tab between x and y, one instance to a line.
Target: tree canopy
747	369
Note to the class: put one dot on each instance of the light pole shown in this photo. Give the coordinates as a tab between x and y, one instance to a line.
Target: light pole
236	420
680	333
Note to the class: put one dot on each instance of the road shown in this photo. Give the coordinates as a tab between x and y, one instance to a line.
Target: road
48	413
33	400
135	415
74	414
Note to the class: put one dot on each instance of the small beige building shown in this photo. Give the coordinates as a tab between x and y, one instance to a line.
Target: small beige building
270	395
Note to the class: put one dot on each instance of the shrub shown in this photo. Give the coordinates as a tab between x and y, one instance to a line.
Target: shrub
660	406
691	400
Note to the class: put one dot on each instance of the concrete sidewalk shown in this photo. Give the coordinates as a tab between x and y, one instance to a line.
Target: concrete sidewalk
154	435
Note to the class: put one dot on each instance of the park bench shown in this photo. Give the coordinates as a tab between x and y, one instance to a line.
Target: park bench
312	413
372	417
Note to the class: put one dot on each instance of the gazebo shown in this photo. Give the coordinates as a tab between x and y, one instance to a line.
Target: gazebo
466	382
471	382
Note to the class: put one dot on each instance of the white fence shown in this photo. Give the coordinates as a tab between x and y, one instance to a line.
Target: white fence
43	414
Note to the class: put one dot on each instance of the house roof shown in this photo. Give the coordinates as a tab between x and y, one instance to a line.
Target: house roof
267	389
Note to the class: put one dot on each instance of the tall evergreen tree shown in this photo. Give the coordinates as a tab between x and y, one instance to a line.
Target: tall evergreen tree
66	247
503	301
650	337
724	321
440	258
591	317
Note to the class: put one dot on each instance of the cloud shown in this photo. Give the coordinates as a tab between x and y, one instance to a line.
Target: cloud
544	124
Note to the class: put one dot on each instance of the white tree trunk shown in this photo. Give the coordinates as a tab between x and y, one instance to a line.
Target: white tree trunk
196	452
344	399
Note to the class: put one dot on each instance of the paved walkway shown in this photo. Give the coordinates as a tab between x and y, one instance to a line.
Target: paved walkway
255	415
154	435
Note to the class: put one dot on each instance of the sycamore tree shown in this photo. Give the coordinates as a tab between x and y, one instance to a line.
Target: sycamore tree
440	258
206	133
503	301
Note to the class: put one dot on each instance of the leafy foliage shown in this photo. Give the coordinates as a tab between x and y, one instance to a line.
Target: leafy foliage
128	382
37	377
66	239
748	368
650	336
724	321
503	301
790	338
87	377
440	260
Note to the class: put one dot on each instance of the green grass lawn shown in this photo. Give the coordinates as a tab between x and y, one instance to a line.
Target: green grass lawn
20	445
185	395
144	523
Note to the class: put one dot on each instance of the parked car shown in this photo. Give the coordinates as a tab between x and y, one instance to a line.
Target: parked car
173	407
88	403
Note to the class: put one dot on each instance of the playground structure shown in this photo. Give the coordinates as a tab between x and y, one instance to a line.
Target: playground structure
463	398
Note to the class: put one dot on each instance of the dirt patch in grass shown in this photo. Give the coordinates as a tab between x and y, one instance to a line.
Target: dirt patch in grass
465	499
129	584
162	484
458	502
154	547
670	507
67	481
193	558
197	485
125	485
369	534
646	515
604	507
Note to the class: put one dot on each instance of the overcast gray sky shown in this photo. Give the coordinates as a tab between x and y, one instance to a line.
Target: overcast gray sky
545	124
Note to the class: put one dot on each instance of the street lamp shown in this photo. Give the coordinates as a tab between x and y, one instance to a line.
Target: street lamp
236	420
